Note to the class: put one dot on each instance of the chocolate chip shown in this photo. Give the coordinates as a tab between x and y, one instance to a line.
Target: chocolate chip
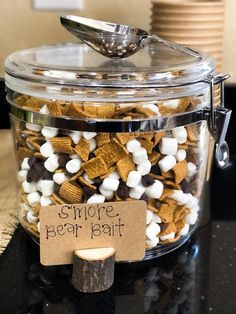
38	166
68	174
30	176
147	180
32	160
123	191
185	186
33	175
144	198
46	175
88	192
63	159
56	188
91	156
158	204
156	170
97	181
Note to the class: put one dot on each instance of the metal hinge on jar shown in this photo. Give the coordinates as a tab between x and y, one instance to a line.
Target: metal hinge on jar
218	119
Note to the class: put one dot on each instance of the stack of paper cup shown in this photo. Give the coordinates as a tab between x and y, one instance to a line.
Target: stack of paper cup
195	23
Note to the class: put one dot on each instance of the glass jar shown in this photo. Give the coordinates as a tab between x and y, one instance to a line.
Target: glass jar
88	129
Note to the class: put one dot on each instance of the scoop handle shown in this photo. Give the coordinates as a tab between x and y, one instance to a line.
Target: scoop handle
182	48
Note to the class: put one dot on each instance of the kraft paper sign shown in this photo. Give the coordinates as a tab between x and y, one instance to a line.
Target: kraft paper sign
66	228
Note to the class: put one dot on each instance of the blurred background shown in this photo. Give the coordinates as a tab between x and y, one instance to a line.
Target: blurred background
29	23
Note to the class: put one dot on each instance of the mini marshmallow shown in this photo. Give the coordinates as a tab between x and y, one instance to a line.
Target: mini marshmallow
167	163
137	192
89	135
180	134
152	230
192	202
31	217
46	149
140	155
134	177
47	187
156	219
153	242
144	168
75	136
86	178
73	156
155	190
45	201
168	236
96	198
114	175
185	199
152	107
29	187
184	231
44	110
51	164
92	145
49	132
191	169
33	127
110	184
33	198
180	155
172	103
195	208
25	165
74	165
177	196
191	218
149	217
22	175
107	193
168	146
60	177
133	146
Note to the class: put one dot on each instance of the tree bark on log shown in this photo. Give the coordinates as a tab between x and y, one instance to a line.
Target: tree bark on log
93	269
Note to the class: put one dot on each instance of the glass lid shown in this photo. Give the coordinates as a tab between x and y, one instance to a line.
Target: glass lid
156	65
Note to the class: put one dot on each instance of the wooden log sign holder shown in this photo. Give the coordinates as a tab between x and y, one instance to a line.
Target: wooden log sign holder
93	269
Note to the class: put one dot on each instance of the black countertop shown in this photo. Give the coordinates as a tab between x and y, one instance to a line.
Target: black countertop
198	278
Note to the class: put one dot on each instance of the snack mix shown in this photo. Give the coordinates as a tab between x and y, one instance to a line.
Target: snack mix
64	166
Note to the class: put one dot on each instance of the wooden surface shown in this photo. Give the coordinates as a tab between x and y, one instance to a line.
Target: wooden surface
8	189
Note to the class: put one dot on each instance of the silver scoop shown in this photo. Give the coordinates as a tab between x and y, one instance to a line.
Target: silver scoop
115	40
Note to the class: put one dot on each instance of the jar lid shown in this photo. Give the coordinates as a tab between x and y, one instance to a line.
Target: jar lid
76	64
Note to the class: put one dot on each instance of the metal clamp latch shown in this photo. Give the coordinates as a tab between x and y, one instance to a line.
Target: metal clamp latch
218	120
